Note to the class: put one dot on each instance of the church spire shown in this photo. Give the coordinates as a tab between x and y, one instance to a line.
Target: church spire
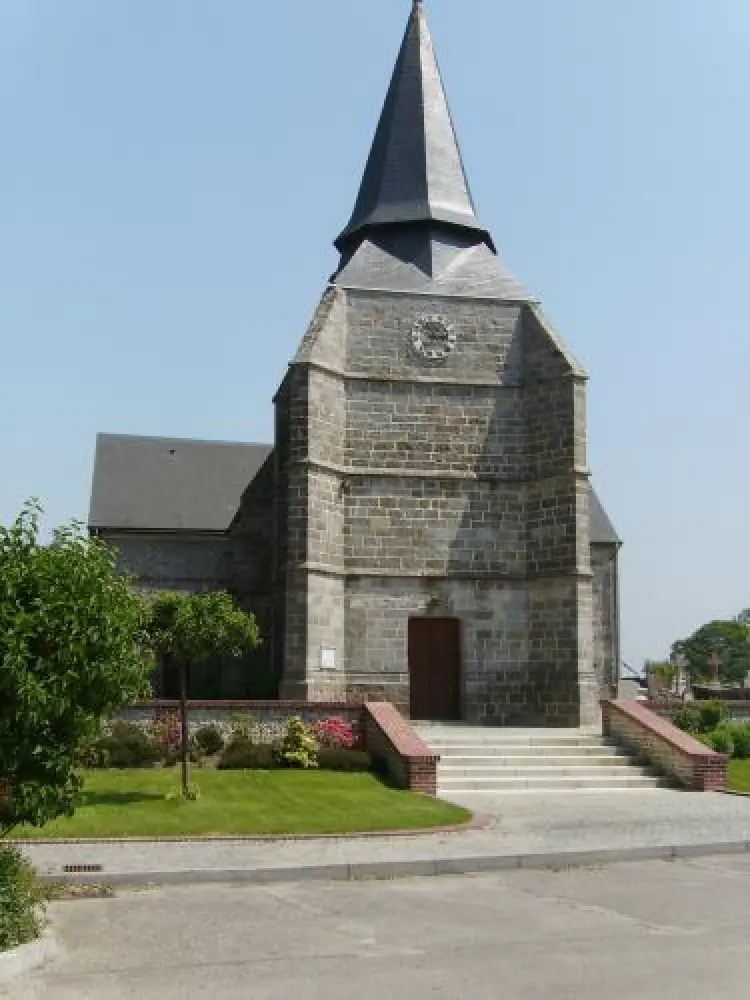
414	176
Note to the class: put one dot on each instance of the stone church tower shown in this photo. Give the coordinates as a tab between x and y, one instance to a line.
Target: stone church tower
432	489
424	529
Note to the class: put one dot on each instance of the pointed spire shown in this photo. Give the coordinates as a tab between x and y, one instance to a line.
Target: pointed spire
414	175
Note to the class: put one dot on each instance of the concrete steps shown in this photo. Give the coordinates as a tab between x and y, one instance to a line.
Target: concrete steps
479	759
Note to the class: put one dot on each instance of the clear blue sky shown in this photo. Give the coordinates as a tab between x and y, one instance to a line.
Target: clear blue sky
173	174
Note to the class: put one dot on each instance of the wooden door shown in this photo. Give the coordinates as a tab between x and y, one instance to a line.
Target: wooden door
435	668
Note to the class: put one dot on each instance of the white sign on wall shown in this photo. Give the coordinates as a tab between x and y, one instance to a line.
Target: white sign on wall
327	658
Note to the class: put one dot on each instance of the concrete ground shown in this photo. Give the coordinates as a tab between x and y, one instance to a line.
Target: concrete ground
524	823
655	931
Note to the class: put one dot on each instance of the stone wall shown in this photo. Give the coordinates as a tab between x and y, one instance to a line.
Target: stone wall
604	567
267	719
251	535
171	561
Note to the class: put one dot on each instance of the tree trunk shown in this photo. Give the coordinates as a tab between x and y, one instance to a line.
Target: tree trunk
184	729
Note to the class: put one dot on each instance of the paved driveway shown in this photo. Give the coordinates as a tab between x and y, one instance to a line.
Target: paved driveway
655	931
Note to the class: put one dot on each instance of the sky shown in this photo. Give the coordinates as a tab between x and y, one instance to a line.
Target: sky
173	174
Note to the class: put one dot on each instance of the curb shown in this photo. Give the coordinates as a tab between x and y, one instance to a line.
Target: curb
388	870
27	957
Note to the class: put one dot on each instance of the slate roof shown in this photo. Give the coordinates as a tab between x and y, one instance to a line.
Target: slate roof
170	484
601	529
414	173
431	262
414	227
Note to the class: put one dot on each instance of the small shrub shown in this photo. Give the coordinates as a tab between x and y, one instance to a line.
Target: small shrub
94	755
129	746
688	719
20	901
721	740
741	739
209	740
343	759
242	755
334	734
174	756
298	748
166	732
712	714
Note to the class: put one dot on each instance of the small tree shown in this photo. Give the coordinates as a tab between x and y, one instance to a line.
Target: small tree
71	654
186	629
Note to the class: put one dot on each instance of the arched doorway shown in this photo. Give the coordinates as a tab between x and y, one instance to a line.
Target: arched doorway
435	668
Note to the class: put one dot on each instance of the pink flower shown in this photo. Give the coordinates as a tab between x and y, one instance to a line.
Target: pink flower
334	733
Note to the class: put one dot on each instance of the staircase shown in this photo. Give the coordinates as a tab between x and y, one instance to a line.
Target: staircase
482	759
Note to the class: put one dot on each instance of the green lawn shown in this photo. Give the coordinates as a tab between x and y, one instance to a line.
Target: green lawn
738	775
133	804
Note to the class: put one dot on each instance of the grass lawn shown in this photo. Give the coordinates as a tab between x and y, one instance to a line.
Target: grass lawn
738	775
133	804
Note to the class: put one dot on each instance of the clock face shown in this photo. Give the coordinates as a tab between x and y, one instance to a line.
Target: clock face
433	338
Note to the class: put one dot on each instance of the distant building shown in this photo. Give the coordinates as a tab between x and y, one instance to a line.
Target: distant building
423	529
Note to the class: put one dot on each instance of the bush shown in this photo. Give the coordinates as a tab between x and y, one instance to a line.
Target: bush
20	901
334	733
209	740
298	747
129	746
741	739
94	755
343	759
712	714
242	755
689	719
166	732
721	740
174	756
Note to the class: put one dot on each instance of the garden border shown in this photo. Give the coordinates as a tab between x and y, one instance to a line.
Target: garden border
386	734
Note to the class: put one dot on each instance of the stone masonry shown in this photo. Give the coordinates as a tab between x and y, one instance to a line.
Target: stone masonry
459	487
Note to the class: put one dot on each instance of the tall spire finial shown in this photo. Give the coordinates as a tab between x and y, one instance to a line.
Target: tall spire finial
414	175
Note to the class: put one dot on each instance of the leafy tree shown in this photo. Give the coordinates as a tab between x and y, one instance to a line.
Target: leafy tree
71	654
729	639
187	629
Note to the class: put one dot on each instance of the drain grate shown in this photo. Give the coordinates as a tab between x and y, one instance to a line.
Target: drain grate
82	869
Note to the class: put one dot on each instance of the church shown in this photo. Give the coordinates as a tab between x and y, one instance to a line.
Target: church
423	529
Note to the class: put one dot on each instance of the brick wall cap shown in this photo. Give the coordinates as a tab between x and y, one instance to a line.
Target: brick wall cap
403	738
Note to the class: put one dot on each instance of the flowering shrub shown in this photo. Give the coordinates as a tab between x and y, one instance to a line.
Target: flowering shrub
298	748
166	732
334	734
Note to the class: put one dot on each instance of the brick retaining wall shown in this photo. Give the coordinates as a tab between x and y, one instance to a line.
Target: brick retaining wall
666	747
390	737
